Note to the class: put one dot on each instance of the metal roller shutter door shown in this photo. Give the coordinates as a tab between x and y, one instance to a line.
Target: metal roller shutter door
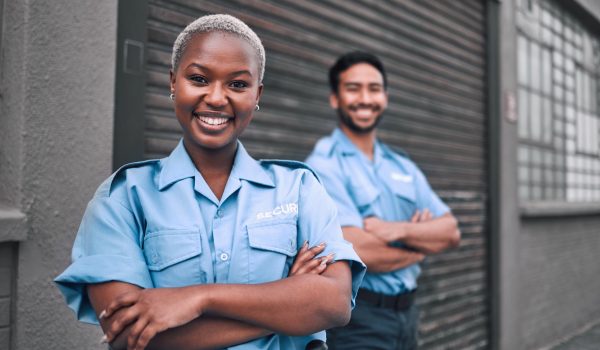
434	52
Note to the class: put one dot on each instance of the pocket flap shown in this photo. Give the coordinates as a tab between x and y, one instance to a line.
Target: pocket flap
364	195
405	191
165	248
278	237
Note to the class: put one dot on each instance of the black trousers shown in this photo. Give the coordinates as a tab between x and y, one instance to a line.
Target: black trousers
376	328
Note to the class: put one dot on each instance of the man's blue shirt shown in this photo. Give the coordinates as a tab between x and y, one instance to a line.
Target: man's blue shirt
158	224
391	187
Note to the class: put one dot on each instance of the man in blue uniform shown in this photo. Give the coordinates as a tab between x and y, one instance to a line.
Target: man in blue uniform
385	205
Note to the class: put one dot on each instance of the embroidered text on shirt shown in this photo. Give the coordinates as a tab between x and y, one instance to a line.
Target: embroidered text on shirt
289	208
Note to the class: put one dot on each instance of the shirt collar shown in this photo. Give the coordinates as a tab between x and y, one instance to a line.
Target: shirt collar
247	168
343	142
348	148
178	166
385	150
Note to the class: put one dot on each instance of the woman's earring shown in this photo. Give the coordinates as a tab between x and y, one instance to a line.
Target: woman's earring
172	96
257	108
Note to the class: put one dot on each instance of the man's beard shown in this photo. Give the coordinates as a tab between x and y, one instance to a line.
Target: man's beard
346	120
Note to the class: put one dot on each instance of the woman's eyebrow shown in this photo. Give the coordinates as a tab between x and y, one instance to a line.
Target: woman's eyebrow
240	72
201	67
196	65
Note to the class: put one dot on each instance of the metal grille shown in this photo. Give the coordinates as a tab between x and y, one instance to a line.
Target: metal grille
559	108
434	52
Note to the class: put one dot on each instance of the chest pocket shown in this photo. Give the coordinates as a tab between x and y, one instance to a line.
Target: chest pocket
405	191
364	196
405	197
174	258
272	248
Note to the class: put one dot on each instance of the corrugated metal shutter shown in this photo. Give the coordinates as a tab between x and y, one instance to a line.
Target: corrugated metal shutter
434	52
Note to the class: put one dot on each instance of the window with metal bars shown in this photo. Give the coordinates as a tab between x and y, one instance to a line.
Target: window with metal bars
559	113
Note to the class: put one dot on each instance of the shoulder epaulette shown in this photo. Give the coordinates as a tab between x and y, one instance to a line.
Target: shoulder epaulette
292	164
117	174
324	146
136	164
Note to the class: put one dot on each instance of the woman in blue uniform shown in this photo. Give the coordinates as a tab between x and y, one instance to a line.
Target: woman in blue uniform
197	250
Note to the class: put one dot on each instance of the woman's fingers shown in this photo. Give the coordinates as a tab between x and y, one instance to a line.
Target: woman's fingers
316	250
305	256
121	321
299	257
145	336
135	331
308	266
323	263
123	300
312	252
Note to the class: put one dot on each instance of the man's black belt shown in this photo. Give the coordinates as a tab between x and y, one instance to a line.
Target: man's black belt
395	302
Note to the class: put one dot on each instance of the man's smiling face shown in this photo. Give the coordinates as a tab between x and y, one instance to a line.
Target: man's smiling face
361	98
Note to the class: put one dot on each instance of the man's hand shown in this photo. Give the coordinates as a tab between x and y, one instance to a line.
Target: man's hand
149	312
305	261
390	231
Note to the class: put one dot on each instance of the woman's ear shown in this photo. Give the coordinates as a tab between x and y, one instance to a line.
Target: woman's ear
260	91
172	81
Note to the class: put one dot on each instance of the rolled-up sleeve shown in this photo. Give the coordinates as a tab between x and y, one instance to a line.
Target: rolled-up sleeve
106	249
427	197
318	223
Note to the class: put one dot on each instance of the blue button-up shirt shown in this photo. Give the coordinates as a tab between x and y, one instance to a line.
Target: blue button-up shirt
158	224
391	187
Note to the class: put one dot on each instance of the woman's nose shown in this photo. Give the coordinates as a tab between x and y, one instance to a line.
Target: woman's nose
216	96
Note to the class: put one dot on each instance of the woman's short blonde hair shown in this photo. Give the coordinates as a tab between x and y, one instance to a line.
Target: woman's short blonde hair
218	23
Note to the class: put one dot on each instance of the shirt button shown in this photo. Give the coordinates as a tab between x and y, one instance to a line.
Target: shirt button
224	256
219	213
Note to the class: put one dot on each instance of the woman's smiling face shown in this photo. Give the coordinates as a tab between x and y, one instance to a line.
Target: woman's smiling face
216	87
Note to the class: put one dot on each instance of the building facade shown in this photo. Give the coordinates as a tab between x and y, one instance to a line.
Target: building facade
57	81
497	101
545	154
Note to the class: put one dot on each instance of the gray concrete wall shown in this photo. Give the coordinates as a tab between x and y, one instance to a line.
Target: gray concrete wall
504	215
59	60
6	292
559	280
591	6
11	103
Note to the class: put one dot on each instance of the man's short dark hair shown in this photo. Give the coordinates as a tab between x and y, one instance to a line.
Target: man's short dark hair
348	60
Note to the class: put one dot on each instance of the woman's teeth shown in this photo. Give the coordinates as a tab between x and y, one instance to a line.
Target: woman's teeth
213	121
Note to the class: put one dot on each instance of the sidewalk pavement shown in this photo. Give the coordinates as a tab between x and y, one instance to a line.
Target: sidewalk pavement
587	340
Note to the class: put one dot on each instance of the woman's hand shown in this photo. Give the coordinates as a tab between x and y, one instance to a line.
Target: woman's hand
305	261
151	311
